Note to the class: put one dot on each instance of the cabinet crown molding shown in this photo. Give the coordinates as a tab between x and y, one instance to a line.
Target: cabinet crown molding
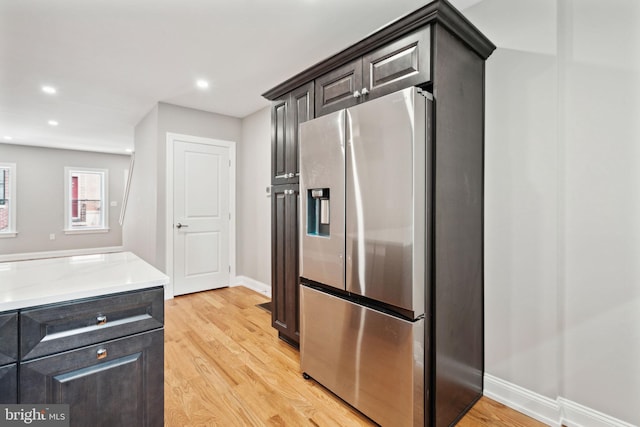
439	12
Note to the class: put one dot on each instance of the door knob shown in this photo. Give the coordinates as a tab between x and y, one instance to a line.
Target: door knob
178	225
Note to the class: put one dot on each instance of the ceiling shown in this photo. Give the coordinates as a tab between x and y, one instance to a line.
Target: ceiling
111	61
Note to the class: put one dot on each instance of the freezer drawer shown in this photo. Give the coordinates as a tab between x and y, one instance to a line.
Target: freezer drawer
372	360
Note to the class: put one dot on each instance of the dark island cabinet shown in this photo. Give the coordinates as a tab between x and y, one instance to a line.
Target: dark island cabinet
8	357
398	65
103	356
285	202
9	383
115	383
287	113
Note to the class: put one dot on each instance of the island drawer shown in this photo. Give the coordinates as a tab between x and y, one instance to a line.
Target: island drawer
61	327
8	337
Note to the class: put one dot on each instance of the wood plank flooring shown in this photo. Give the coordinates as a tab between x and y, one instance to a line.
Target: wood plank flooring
225	366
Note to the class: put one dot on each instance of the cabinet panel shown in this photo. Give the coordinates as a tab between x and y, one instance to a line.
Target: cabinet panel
302	109
125	387
285	286
335	90
286	114
279	137
8	338
9	383
401	64
65	326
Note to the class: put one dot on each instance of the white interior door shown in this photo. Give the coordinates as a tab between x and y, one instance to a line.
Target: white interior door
200	217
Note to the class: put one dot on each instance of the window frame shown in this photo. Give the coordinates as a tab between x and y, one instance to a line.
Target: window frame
68	211
12	229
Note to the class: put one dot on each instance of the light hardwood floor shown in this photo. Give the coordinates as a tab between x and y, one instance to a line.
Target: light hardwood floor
225	366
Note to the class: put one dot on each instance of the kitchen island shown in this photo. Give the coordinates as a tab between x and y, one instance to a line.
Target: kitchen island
87	331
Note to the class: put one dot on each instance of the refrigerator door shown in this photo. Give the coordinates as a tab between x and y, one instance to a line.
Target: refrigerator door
386	199
374	361
322	169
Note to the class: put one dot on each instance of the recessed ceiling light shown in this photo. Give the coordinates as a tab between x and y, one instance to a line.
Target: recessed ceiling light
53	122
49	89
7	138
202	84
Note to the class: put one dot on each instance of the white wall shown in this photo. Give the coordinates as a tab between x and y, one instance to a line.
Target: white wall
144	231
40	198
562	237
139	227
254	207
600	102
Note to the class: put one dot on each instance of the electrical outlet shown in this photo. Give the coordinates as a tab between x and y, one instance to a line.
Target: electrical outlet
52	236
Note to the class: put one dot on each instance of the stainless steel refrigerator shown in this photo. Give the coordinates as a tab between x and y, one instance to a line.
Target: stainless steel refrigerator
364	186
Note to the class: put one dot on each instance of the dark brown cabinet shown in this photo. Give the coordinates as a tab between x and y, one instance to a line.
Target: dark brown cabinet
284	272
8	357
437	49
339	88
287	113
400	64
103	356
115	383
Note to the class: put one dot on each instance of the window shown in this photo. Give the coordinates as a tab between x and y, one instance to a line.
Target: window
8	200
86	200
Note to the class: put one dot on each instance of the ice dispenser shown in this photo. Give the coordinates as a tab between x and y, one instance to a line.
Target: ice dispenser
318	216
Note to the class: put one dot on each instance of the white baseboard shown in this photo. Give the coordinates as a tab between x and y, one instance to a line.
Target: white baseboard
542	408
576	415
252	284
56	254
553	412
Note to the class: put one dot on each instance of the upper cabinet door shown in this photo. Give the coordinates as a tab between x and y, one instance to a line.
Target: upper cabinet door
301	110
401	64
340	88
286	114
279	139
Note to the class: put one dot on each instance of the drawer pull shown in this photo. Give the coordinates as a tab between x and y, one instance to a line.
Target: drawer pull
101	354
101	320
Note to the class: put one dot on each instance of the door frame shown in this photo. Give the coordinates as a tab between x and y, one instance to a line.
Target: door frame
231	145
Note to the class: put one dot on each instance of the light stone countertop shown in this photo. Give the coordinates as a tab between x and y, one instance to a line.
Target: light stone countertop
44	281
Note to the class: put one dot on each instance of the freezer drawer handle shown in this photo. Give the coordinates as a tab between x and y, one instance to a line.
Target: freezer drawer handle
101	353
